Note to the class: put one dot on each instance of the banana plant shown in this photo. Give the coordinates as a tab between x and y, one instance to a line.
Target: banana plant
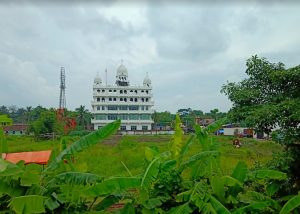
33	190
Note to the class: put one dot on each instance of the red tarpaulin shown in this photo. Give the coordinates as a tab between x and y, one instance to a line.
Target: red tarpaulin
39	157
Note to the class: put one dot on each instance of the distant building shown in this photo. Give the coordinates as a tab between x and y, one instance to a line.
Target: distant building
204	121
132	104
5	120
184	112
16	129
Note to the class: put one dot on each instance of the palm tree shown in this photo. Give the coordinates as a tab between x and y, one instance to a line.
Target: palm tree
28	113
82	116
214	113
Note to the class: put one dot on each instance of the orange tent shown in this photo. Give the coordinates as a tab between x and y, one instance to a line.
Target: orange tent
39	157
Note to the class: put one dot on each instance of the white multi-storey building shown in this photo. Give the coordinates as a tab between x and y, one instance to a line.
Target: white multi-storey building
132	104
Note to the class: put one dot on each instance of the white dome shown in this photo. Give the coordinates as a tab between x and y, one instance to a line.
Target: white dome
122	71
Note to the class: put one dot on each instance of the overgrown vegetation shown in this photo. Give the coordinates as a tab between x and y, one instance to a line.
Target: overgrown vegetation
172	181
269	99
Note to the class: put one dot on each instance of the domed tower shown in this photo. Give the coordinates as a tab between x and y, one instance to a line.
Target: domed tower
147	81
122	76
97	80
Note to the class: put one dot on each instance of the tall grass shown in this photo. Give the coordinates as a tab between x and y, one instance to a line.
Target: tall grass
108	159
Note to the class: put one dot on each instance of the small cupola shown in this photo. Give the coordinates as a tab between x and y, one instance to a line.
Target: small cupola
147	81
97	80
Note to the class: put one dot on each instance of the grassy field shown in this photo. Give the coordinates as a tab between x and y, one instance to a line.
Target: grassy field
109	157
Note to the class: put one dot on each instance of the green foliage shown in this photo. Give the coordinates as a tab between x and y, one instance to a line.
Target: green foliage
150	173
113	185
28	204
270	98
3	142
75	178
240	172
172	181
46	123
107	202
85	142
292	204
83	117
176	142
269	174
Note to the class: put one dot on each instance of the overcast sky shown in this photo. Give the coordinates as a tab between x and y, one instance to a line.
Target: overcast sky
189	50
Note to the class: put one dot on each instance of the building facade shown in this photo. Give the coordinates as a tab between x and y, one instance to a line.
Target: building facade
132	104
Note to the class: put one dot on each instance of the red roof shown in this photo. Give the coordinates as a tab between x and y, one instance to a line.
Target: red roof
16	127
39	157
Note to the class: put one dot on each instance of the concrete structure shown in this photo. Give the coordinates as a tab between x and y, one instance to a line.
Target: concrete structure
238	131
204	121
132	104
16	129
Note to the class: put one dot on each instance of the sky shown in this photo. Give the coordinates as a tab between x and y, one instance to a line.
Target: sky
189	49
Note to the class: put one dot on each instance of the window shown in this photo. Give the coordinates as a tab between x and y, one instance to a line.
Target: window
103	90
123	116
142	91
125	91
145	116
98	107
98	90
115	90
115	99
135	91
121	91
112	117
121	99
123	128
147	99
98	99
103	107
142	108
125	99
135	99
103	99
147	91
21	132
123	108
131	91
110	99
112	107
100	117
133	108
142	99
133	128
110	90
144	128
146	108
133	117
131	99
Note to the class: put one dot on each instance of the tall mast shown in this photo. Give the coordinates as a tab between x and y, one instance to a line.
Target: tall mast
62	96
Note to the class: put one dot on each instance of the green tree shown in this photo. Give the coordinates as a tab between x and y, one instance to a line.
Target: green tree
46	123
214	113
83	116
28	114
269	98
163	118
4	110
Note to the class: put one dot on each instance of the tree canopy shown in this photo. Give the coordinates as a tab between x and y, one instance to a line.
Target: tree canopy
269	98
